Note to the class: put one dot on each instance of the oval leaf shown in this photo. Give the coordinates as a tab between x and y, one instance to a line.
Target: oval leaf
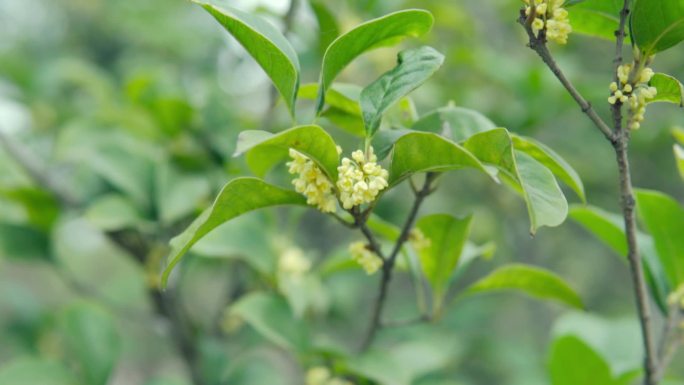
531	280
573	362
369	35
265	44
238	197
455	123
657	25
265	149
599	18
414	67
670	90
423	152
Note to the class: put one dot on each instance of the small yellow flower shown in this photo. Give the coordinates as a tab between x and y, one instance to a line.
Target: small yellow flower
360	179
317	375
293	262
418	239
361	253
312	182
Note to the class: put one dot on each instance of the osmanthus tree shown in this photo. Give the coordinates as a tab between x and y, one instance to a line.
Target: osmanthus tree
655	256
394	145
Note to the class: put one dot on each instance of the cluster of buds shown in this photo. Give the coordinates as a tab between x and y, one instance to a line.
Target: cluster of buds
293	263
364	256
549	15
312	182
418	240
633	90
320	375
361	179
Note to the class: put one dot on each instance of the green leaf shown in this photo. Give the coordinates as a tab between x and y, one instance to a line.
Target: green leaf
33	371
265	149
423	152
23	243
271	316
328	29
386	30
414	67
679	157
447	236
546	204
551	160
266	45
663	218
670	90
239	196
343	109
657	25
530	280
598	18
455	123
113	212
573	362
178	194
92	340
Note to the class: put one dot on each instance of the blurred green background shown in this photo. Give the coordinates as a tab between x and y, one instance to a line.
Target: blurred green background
134	107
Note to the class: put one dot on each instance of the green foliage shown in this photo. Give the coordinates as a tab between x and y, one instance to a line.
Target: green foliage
456	123
266	45
530	280
29	371
679	158
239	196
414	67
669	89
657	26
383	31
599	18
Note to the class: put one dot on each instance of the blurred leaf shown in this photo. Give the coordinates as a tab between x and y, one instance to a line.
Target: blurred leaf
414	67
657	26
237	197
439	259
663	217
551	160
40	206
546	204
428	152
679	158
669	88
166	381
34	371
599	18
92	340
178	194
530	280
264	149
328	29
304	294
271	316
343	106
259	367
266	45
383	31
455	123
21	242
113	212
572	362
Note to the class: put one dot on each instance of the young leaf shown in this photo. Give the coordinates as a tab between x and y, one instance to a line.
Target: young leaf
265	43
455	123
239	196
551	160
679	158
657	25
438	260
530	280
670	89
265	149
423	152
270	315
663	217
414	67
546	204
389	29
573	362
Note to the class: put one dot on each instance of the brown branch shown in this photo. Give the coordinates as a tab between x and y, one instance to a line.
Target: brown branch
389	261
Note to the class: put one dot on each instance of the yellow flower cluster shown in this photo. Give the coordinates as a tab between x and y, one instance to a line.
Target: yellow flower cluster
312	182
418	239
370	261
320	375
360	179
293	262
633	88
550	15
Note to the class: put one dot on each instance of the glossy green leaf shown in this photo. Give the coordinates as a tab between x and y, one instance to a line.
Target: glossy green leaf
598	18
271	316
423	152
239	196
679	158
573	362
669	88
265	149
530	280
414	67
546	204
447	237
388	29
264	42
663	218
551	160
92	341
34	371
455	123
657	25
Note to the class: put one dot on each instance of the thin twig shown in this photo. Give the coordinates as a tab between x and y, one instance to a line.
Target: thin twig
389	261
